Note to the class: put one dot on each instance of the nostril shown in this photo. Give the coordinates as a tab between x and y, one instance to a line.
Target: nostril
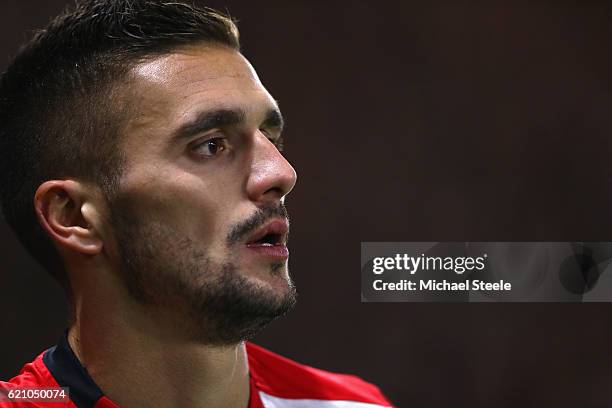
275	191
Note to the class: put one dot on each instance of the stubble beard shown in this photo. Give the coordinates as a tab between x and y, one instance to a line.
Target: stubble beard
164	268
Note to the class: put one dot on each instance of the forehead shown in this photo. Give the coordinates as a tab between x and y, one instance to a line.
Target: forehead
204	67
174	88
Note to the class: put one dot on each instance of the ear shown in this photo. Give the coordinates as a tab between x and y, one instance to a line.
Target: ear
67	211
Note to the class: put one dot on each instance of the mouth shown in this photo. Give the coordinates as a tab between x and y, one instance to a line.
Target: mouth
270	240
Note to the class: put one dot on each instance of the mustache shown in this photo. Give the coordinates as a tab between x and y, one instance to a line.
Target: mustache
261	216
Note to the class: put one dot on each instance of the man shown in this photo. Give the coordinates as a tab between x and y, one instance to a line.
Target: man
152	155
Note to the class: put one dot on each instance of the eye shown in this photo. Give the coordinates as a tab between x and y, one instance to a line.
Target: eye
210	147
277	141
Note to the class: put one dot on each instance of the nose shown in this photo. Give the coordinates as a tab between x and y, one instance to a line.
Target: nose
271	177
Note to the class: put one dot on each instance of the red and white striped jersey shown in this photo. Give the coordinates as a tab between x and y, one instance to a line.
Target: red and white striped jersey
275	382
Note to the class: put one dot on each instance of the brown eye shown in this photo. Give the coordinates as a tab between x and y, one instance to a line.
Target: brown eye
278	141
210	147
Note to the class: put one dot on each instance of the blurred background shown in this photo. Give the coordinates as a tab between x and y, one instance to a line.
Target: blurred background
406	121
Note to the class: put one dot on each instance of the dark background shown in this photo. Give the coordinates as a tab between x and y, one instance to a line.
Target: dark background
407	121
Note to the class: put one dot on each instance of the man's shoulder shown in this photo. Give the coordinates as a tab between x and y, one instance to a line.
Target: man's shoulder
32	375
279	378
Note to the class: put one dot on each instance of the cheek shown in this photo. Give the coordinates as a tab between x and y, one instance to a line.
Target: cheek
191	205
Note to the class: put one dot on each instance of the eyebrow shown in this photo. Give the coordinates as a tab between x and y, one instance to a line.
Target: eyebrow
207	120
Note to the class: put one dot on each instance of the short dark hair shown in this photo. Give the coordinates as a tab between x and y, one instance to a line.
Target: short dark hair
60	105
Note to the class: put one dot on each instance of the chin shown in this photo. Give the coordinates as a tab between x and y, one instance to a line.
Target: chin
243	305
274	277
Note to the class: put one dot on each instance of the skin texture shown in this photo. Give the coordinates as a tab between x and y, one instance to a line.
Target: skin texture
161	264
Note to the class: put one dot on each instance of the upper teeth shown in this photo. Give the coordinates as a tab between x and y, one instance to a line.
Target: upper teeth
266	244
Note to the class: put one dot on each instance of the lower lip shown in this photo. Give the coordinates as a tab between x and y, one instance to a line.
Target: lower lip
274	251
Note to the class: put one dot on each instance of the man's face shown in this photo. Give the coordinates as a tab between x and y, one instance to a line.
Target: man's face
199	220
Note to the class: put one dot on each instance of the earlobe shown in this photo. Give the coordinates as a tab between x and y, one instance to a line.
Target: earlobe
65	212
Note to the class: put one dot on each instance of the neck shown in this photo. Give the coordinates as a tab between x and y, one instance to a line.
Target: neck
141	357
